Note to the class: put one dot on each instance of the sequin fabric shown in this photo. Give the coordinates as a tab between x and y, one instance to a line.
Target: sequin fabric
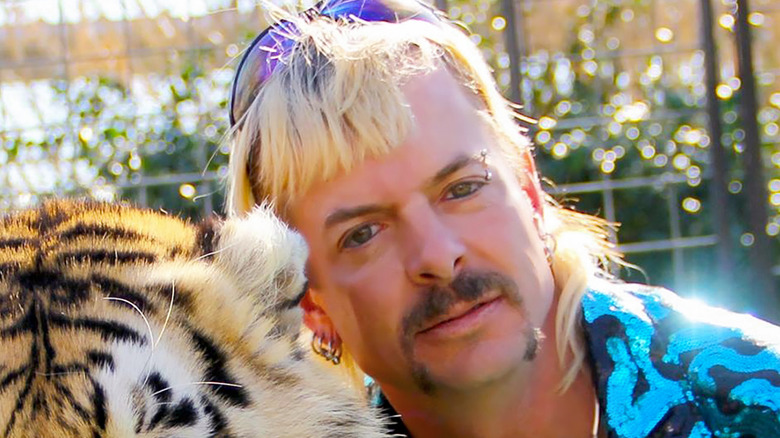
669	367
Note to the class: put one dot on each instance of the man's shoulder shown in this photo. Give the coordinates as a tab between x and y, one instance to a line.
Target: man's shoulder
656	306
670	363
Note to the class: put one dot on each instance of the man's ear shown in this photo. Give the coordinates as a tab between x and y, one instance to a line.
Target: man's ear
530	182
314	315
326	342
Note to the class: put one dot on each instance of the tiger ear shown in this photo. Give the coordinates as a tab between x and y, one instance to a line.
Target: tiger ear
208	235
264	258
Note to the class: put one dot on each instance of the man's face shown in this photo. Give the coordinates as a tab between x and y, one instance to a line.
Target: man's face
434	276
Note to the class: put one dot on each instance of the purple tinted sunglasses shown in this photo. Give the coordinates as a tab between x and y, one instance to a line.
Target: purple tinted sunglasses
269	48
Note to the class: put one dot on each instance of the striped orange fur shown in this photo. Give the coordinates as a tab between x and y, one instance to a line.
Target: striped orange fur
120	322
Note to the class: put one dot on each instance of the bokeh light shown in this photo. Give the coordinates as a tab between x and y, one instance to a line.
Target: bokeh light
187	191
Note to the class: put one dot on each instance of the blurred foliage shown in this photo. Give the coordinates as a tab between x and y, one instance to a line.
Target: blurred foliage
602	115
171	159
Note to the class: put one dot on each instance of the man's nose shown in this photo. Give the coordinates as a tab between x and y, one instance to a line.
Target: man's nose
434	252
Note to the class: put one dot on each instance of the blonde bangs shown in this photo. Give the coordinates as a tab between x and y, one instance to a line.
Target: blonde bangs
335	102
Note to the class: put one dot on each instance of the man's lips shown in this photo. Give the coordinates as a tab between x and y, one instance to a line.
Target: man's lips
458	311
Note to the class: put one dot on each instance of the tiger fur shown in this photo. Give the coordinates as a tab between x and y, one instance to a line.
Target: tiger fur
123	322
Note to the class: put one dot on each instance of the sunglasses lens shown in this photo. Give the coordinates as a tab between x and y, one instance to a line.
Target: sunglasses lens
379	10
256	66
269	48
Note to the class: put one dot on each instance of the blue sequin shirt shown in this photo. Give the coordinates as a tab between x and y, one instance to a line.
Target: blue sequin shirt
665	366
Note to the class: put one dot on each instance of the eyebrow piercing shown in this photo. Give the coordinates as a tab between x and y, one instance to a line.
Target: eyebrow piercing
483	157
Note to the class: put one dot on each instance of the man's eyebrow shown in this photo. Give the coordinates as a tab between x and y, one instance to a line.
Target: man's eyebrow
345	214
457	164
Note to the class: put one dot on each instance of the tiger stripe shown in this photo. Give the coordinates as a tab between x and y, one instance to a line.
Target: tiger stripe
117	321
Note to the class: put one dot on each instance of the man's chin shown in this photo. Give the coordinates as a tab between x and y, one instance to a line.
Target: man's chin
471	368
483	347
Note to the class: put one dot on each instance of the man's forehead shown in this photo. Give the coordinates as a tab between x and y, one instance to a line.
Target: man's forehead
447	132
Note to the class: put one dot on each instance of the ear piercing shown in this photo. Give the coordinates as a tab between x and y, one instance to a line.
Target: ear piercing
329	351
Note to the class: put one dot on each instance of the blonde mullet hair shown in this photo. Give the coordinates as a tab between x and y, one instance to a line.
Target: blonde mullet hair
337	100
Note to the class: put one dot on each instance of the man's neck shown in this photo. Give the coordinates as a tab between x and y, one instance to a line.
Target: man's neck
526	403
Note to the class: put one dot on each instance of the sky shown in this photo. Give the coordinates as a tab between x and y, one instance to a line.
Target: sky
74	11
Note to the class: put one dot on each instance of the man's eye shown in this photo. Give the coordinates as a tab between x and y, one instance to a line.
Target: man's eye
359	236
463	189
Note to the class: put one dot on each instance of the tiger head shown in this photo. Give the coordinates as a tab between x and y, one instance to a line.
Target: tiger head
122	322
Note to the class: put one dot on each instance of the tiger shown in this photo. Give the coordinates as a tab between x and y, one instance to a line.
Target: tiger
120	321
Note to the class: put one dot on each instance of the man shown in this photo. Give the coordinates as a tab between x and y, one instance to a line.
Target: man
438	265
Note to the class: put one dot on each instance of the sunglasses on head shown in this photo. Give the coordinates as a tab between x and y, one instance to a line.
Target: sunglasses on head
270	48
